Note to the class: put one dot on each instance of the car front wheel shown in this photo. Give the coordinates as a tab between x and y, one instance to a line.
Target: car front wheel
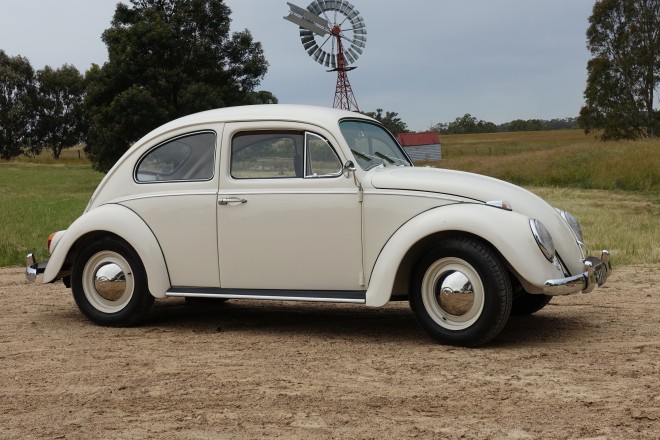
461	292
109	284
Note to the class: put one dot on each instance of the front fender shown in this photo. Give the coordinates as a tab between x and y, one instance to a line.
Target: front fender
507	231
123	222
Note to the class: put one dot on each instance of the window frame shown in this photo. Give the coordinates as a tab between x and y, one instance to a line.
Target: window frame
285	133
173	139
307	159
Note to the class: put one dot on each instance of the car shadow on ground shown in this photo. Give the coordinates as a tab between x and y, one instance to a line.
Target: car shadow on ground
394	322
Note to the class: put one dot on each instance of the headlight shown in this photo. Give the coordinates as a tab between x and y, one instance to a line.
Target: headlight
573	223
543	239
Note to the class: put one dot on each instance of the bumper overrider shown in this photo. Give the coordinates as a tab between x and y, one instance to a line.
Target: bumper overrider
34	271
596	272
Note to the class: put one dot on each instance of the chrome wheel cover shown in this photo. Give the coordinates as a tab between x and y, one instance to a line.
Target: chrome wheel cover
107	281
452	293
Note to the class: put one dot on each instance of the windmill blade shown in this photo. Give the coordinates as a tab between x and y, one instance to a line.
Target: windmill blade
312	49
360	41
349	57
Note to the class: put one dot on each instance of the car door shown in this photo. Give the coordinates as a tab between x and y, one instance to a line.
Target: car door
288	218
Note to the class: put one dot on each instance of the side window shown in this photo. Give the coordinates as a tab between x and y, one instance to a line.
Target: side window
189	157
322	161
267	155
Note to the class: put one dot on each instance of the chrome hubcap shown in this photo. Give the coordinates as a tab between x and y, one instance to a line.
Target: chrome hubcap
452	293
456	294
110	281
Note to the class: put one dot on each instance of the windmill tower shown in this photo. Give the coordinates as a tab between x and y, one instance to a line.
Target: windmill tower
334	34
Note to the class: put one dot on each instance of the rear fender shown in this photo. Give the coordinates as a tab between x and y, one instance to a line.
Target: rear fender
122	222
507	231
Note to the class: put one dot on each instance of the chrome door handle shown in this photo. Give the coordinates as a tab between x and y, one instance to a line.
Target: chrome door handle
228	200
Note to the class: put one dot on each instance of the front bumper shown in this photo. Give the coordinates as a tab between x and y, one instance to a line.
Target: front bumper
596	272
34	271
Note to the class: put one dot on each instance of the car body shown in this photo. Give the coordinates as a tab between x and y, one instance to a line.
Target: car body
306	203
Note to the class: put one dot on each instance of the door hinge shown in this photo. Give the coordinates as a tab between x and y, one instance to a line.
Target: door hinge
361	279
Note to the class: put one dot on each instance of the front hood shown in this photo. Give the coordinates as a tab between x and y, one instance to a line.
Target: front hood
479	188
457	183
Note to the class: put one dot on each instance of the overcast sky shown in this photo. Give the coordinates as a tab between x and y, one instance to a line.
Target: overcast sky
428	60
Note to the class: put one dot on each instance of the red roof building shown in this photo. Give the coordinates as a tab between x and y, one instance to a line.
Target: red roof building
423	146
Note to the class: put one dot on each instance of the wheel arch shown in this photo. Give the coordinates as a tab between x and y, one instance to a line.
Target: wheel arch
506	232
119	222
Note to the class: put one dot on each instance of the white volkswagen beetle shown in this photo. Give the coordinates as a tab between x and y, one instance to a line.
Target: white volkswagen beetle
299	203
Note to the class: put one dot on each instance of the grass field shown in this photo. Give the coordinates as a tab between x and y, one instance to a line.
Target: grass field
613	188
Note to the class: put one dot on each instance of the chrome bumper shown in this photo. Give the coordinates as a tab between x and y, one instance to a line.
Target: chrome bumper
596	272
34	271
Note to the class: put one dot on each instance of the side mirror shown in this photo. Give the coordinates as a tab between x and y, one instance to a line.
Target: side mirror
349	166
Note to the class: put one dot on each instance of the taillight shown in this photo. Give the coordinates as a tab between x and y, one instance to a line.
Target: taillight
50	239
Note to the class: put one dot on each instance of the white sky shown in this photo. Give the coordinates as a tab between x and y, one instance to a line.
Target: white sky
428	60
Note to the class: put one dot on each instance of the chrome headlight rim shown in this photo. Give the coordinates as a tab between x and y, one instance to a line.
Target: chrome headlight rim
543	239
573	223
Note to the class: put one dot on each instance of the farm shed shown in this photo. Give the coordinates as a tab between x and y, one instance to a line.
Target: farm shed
421	146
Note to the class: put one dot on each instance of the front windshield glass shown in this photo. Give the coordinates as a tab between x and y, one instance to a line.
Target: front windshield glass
372	145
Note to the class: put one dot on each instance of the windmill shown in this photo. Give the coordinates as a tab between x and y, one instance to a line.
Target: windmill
334	34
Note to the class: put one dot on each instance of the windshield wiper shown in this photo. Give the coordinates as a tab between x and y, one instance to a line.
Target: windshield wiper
384	157
361	155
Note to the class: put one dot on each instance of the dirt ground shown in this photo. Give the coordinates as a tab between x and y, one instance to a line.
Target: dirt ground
585	367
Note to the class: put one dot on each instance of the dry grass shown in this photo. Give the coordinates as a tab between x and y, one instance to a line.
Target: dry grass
565	158
627	224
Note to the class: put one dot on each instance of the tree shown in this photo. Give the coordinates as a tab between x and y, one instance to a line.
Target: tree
167	58
528	125
17	93
59	110
391	121
623	75
466	124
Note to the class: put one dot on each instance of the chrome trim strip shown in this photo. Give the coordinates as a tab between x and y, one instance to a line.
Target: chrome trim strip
428	195
352	296
248	192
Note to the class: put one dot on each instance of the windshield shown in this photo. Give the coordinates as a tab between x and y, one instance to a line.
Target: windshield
372	145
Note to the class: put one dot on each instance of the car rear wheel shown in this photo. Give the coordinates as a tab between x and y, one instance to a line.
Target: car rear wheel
461	292
109	284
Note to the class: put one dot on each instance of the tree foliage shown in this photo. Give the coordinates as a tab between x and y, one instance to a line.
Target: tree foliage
624	73
390	120
466	124
59	112
167	58
17	92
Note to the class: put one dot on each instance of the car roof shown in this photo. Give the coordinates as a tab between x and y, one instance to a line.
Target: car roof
264	112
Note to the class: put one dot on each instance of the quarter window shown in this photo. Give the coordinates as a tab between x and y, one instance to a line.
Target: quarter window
186	158
322	161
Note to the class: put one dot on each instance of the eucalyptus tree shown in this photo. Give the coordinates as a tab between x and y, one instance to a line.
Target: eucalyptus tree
59	109
17	93
624	73
166	59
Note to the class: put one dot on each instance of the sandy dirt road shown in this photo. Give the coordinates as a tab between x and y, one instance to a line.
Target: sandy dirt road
585	367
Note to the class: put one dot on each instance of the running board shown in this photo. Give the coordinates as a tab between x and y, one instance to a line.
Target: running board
335	296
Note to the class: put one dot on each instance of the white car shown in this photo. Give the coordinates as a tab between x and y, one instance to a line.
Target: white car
301	203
